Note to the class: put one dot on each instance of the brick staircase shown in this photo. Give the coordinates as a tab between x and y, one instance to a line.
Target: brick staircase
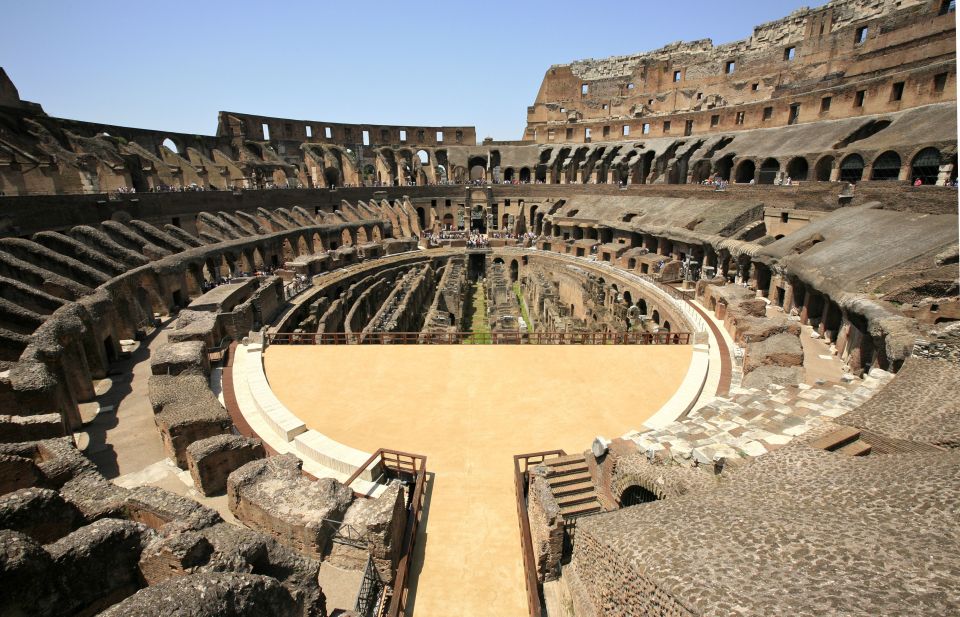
572	486
847	440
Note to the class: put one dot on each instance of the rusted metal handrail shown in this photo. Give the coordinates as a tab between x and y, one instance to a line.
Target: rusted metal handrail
522	463
477	338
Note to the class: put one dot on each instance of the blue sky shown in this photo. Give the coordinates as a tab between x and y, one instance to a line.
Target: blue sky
172	65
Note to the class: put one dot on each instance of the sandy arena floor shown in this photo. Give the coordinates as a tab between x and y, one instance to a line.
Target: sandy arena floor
470	409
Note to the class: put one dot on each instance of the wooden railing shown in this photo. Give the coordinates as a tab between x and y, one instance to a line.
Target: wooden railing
477	338
521	464
415	466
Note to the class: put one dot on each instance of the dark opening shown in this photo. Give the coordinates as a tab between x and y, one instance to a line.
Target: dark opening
635	496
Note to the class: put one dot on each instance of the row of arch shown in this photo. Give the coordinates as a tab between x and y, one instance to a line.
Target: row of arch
925	166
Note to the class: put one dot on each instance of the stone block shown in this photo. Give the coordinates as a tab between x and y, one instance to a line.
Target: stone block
212	459
187	357
39	513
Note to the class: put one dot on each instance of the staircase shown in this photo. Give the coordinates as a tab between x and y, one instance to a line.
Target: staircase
844	441
572	486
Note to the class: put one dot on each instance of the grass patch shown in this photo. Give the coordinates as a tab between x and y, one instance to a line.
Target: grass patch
476	316
523	307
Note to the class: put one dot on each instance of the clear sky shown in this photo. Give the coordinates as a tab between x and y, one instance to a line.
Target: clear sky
173	65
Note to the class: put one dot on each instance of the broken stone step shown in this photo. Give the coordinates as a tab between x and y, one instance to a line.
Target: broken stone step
836	439
584	486
573	500
856	448
565	460
566	470
569	478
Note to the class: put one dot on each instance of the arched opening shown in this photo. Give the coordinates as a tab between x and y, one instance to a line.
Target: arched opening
505	222
655	317
302	247
317	244
441	173
700	172
851	168
798	168
424	158
331	176
422	217
448	221
375	234
288	254
631	264
824	168
361	235
508	174
926	166
477	173
514	271
723	167
886	167
746	170
636	495
642	305
345	238
169	145
665	326
627	298
524	174
769	170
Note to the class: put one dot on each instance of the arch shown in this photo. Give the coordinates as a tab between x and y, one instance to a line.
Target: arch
302	247
724	166
851	168
886	166
448	221
361	235
525	175
422	217
632	263
505	220
258	261
665	326
345	238
746	171
700	171
317	243
424	157
170	145
477	172
642	305
508	174
823	169
926	166
287	249
331	176
768	171
798	168
375	234
655	316
514	271
635	495
627	297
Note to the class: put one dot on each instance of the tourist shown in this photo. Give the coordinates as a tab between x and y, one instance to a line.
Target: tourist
918	182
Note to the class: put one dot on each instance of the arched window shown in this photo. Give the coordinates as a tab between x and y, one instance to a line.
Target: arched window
798	169
769	170
823	169
169	145
746	171
926	166
636	495
851	168
886	167
524	174
423	156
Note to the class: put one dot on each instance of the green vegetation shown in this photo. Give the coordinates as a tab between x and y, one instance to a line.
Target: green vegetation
523	307
475	314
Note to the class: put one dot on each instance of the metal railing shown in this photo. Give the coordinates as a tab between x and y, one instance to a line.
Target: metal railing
410	467
477	338
521	464
371	588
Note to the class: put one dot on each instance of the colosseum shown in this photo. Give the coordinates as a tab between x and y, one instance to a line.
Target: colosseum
689	347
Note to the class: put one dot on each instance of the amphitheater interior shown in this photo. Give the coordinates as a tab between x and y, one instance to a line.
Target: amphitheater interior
709	299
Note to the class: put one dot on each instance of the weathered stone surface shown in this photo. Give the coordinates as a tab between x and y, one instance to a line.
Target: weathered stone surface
39	513
27	578
212	459
17	472
188	357
209	595
777	350
97	564
271	495
30	428
187	411
227	548
379	523
156	507
764	376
